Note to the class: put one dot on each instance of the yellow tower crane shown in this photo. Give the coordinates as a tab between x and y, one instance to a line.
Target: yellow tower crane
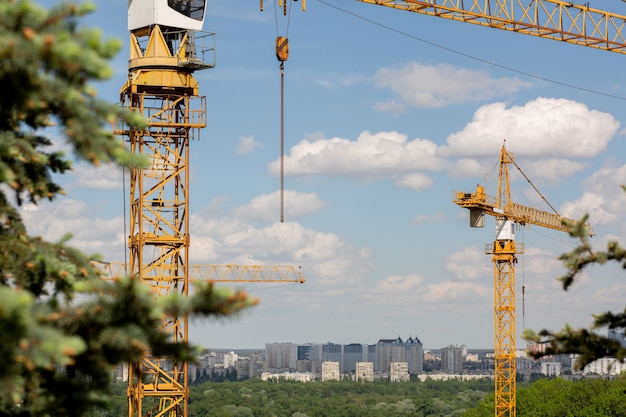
166	48
167	45
507	214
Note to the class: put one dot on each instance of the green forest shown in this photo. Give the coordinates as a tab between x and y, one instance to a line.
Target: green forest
255	398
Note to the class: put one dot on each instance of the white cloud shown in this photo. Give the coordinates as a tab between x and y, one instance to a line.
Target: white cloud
102	177
552	170
449	291
400	284
267	206
423	218
247	144
324	256
372	155
470	263
415	181
91	234
438	85
544	127
398	292
603	198
470	168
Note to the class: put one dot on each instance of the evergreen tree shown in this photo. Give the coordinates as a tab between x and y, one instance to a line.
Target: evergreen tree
57	353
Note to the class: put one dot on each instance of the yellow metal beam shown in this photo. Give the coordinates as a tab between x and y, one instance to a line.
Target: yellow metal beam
519	213
552	19
221	273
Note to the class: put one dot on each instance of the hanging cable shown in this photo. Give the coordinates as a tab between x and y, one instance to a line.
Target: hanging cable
125	226
282	54
282	139
523	285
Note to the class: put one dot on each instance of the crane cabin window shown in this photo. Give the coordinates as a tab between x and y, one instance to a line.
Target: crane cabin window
191	8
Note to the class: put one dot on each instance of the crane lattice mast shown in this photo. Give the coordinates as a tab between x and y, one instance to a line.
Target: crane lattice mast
166	48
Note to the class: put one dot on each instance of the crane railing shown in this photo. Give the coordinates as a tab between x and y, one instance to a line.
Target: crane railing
553	19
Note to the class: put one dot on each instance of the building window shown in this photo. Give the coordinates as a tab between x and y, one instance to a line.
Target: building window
190	8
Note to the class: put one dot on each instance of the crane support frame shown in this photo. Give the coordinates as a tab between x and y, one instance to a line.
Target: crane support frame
162	89
503	257
552	19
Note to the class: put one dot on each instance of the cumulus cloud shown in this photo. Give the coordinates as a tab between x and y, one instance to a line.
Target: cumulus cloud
423	218
91	234
371	155
603	198
416	181
470	168
267	206
401	284
322	255
552	169
399	292
450	291
102	177
247	144
544	127
469	264
417	85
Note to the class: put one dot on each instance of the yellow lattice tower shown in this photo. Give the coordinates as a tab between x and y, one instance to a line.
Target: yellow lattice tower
166	47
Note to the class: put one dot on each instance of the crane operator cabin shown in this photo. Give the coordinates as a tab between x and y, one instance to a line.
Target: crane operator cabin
181	14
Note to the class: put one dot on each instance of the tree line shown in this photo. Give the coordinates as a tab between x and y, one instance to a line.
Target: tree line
556	397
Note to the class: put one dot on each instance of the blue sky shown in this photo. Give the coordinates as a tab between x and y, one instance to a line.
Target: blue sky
386	113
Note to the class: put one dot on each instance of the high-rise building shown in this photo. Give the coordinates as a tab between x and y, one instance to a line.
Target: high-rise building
352	354
551	368
281	356
371	353
364	372
452	359
244	368
387	351
330	371
309	357
332	352
397	350
229	359
399	371
415	355
310	352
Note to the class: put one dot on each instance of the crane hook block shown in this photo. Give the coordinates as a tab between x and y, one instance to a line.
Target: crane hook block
282	48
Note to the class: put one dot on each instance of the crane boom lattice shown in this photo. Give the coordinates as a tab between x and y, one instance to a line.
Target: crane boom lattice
222	273
551	19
